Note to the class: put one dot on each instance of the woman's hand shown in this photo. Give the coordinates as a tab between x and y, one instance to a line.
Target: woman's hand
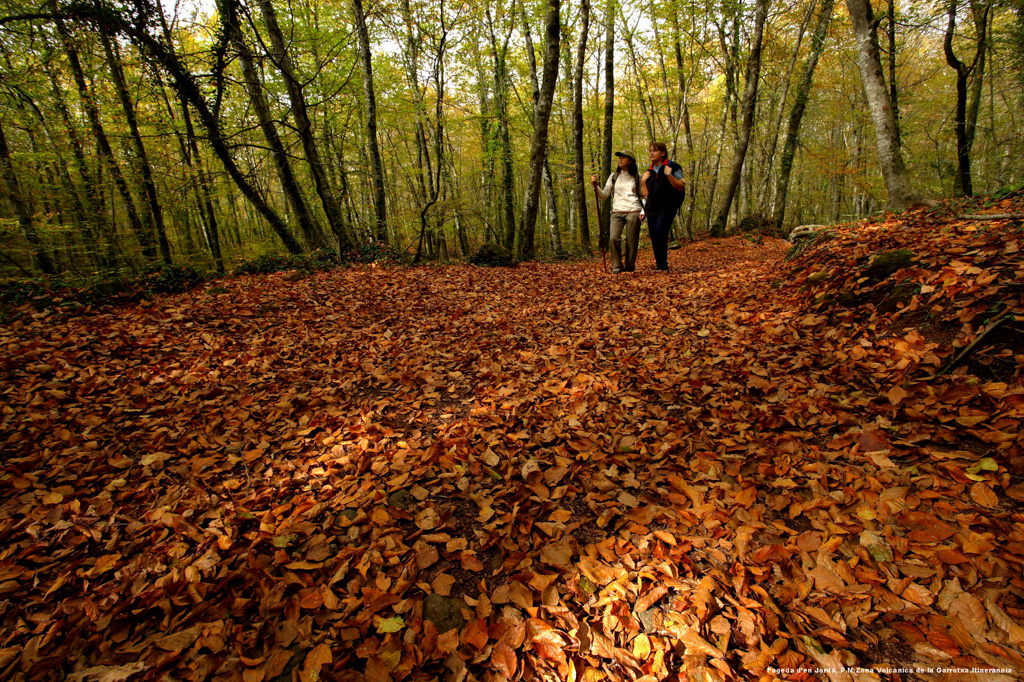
593	180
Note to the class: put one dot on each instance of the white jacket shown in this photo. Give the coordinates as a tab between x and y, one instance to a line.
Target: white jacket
625	199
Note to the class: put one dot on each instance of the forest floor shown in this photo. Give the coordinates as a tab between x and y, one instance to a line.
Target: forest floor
743	468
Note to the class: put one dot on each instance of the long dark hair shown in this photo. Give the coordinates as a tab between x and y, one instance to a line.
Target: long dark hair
633	170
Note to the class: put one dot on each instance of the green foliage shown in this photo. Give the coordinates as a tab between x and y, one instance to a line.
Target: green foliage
266	264
18	292
51	293
493	254
172	279
320	259
1016	189
376	252
758	224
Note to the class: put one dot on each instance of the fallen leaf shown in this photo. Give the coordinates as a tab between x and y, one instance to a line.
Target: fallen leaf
315	660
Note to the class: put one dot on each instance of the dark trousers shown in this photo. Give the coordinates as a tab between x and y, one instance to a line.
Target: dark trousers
659	225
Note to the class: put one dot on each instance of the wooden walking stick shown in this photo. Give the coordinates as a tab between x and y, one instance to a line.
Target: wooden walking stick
600	231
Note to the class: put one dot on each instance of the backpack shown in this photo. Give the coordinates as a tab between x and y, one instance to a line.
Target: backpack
678	197
674	198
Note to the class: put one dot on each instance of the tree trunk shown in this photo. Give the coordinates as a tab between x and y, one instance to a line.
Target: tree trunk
487	183
897	179
188	89
103	145
197	176
376	165
749	104
499	55
148	188
549	188
609	116
289	183
553	222
577	128
722	126
691	159
663	72
538	147
894	90
22	212
638	76
297	98
425	176
95	219
797	112
964	137
982	28
437	178
776	126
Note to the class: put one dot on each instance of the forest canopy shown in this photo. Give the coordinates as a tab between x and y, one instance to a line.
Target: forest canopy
134	135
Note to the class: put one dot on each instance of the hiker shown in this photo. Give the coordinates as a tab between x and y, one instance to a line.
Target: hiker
627	211
664	189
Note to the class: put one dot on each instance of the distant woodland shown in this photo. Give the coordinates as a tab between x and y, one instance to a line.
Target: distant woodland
134	135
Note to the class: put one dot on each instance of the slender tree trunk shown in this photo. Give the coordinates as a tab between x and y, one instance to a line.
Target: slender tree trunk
538	147
982	26
549	188
297	98
437	178
577	128
188	89
749	105
499	55
691	159
413	39
964	121
894	90
897	179
289	183
197	177
663	72
487	140
376	165
63	179
776	128
638	75
609	115
22	211
103	145
797	112
722	127
148	188
553	222
94	216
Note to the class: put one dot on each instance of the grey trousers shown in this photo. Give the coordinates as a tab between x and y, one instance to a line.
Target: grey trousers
624	250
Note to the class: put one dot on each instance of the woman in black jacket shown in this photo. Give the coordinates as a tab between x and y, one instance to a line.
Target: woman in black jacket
664	189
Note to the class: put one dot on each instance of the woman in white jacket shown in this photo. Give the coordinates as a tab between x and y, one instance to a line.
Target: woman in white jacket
623	186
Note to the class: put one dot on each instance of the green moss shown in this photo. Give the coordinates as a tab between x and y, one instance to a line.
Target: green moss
885	264
494	255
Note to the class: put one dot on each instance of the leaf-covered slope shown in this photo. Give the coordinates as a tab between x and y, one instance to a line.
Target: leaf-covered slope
537	473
